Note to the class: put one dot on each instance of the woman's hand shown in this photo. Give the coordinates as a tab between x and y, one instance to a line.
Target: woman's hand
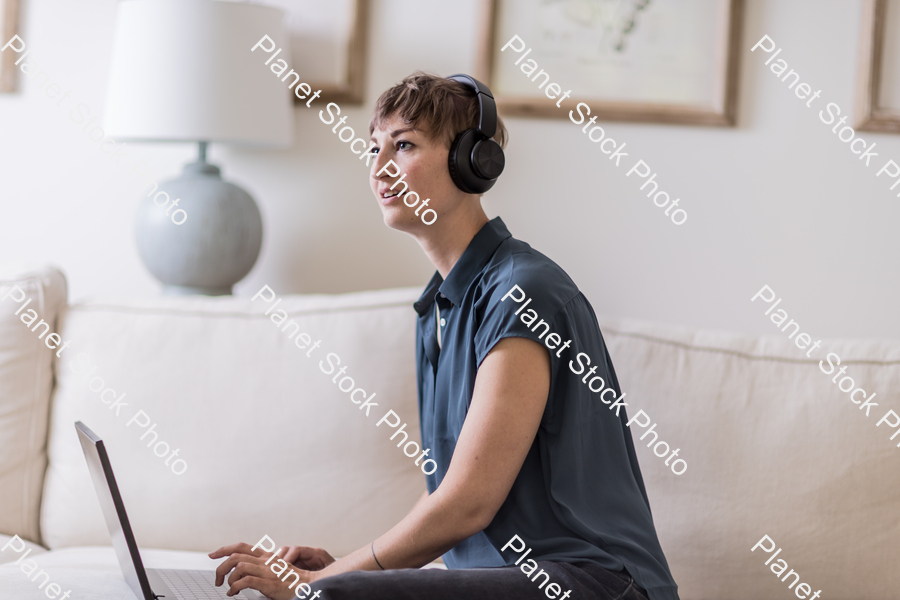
303	557
246	568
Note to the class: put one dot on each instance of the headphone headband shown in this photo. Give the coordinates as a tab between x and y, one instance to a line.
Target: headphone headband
487	108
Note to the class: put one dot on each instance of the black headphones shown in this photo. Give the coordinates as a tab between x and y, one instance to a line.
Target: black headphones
476	160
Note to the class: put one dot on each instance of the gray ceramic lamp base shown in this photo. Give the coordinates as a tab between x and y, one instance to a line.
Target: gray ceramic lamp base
217	244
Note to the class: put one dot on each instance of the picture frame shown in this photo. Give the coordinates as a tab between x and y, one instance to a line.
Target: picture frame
9	21
646	86
328	42
877	103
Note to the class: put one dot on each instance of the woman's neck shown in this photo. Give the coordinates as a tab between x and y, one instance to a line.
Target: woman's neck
445	246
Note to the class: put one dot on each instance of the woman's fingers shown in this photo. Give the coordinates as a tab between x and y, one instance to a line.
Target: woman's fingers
310	559
237	552
291	554
230	563
258	584
241	547
258	577
245	567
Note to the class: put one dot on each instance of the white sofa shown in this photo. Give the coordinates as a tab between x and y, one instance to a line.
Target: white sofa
273	447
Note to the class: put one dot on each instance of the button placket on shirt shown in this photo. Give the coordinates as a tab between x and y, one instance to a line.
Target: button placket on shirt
444	306
441	296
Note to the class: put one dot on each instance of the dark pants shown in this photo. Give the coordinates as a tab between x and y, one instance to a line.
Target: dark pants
586	581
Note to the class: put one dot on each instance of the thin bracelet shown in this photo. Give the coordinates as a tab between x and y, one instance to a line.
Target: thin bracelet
375	557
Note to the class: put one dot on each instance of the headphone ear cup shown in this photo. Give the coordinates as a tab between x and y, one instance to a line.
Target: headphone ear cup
453	162
460	161
488	159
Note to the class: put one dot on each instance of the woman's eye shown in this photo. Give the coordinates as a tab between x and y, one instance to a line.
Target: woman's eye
403	145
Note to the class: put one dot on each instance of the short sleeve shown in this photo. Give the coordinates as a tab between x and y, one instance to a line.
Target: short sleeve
526	288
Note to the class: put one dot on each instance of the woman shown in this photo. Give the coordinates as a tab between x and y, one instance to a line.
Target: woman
537	490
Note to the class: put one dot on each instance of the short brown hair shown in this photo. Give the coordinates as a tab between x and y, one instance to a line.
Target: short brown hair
442	108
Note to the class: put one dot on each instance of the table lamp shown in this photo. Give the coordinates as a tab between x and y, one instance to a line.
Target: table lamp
182	71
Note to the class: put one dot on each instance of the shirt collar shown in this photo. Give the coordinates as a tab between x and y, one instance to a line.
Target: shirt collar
470	264
427	298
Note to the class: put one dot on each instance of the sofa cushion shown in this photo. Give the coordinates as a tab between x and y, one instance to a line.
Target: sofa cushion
26	380
270	444
11	549
89	572
774	448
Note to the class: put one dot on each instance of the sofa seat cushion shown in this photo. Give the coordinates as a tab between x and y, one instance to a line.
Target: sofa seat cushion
26	381
271	445
12	552
90	572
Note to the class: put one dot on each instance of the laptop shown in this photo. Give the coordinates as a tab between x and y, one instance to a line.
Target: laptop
147	584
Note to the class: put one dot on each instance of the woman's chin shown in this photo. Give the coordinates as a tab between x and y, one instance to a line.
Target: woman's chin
397	218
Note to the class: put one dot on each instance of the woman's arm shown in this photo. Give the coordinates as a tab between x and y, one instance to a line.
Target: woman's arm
420	500
508	401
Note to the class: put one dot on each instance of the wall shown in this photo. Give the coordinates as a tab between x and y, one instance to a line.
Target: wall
776	200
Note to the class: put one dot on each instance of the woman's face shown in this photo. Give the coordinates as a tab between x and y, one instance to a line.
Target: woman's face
424	163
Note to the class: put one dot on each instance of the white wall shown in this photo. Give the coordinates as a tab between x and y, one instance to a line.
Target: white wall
776	200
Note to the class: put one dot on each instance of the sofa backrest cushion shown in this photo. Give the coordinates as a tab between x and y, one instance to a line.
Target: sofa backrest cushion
772	447
26	380
270	443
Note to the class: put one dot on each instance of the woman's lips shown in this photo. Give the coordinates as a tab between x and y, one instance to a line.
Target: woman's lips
386	200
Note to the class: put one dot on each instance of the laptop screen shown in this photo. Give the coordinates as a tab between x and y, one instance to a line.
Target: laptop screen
114	512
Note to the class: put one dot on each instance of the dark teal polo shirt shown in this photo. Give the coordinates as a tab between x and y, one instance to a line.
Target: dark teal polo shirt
580	495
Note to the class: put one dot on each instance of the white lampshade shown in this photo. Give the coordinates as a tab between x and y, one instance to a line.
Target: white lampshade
182	70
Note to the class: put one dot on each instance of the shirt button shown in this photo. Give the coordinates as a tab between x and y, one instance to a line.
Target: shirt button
443	322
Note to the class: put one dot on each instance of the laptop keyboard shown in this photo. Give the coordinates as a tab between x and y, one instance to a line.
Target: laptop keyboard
191	585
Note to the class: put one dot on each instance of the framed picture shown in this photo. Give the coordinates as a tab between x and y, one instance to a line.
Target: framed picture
9	18
328	45
660	61
877	106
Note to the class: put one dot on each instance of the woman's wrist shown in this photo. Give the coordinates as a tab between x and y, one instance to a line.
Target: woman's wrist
341	565
314	575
